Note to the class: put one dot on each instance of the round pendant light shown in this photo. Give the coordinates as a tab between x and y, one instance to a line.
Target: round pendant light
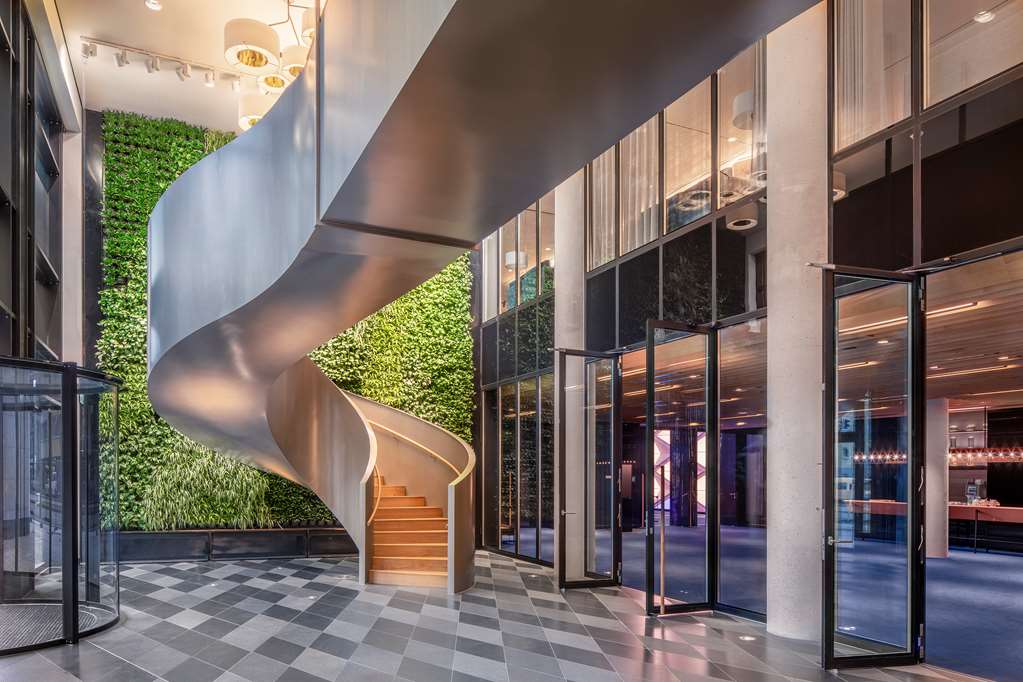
273	83
293	61
252	106
308	26
252	47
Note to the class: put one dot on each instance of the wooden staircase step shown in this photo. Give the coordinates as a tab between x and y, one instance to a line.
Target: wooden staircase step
436	523
406	549
410	563
403	536
409	578
409	512
391	501
392	490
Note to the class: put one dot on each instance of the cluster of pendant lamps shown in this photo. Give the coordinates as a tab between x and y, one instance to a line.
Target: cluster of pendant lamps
253	48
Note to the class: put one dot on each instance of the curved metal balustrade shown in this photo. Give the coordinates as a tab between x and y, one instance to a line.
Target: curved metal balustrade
411	133
58	430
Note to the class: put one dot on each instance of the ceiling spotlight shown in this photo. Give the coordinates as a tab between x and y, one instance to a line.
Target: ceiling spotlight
744	219
984	16
154	5
121	58
236	84
210	79
88	50
152	64
252	47
251	109
308	26
184	72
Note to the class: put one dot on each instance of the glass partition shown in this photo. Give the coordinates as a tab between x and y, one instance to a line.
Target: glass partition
58	570
509	469
687	157
509	259
640	186
600	226
528	271
546	252
742	125
529	470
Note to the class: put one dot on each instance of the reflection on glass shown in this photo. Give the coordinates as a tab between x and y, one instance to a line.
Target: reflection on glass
873	205
529	473
545	333
488	353
491	469
872	67
687	277
742	125
99	523
680	463
968	42
637	296
490	274
600	496
509	469
600	231
527	339
742	260
528	273
600	311
547	467
640	159
687	157
871	485
509	260
742	462
546	253
507	358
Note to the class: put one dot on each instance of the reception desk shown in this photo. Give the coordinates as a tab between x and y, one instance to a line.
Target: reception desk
970	525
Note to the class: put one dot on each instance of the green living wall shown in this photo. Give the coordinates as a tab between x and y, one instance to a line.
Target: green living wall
415	354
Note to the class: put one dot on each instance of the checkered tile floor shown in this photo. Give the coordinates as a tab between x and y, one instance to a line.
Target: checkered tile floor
309	620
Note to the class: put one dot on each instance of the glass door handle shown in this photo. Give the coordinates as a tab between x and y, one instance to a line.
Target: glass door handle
832	541
565	513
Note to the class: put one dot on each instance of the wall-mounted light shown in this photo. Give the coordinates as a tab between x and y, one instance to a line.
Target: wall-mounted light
121	58
184	72
251	46
152	64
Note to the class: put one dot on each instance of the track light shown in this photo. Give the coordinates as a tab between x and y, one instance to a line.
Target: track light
184	72
236	84
152	64
210	79
88	50
121	58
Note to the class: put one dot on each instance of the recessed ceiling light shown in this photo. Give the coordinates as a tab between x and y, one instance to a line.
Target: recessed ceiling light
733	139
984	16
747	638
1003	357
154	5
882	341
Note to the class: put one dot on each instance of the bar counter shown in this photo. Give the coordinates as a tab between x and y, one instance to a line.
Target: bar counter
972	525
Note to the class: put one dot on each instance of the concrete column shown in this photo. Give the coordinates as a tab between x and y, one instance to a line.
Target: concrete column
797	233
936	478
570	332
71	310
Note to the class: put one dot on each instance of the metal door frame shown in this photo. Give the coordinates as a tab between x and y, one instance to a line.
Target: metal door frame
711	470
616	447
917	497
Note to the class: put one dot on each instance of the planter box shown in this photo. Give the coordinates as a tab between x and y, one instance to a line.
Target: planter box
226	544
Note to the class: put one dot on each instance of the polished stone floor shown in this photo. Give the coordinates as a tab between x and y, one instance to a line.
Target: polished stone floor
308	619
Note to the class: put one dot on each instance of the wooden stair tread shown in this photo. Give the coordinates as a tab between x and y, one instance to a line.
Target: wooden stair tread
406	544
410	572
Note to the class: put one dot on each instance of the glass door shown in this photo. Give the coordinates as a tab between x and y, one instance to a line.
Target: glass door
589	438
681	429
873	483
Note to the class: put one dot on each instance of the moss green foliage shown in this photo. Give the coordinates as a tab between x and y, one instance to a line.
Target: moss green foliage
415	354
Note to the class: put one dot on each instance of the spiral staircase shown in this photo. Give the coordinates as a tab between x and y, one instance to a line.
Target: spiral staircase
416	127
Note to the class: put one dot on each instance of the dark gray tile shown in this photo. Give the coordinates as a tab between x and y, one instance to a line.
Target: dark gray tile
418	671
594	659
222	655
279	650
383	640
193	670
481	649
215	627
338	646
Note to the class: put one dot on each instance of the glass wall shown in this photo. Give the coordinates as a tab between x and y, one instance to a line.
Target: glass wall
546	403
529	468
546	252
47	538
529	274
489	270
600	229
742	125
508	476
687	162
966	43
508	286
742	465
640	172
872	67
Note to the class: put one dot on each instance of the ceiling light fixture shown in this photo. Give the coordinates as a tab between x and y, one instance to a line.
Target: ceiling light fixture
184	72
154	5
744	219
272	83
293	61
308	26
984	16
251	109
252	47
88	50
236	84
976	370
121	58
941	312
152	64
856	365
210	79
838	186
